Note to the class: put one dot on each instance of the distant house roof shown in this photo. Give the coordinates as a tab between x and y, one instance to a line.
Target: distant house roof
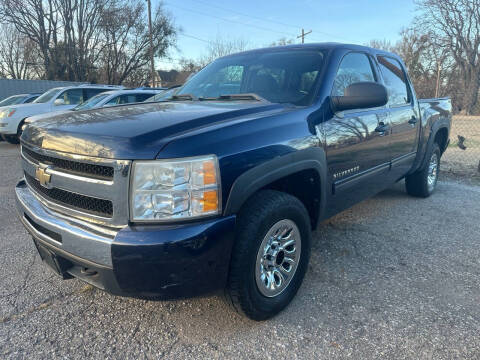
9	87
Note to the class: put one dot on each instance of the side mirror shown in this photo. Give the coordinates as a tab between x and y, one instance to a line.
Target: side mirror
361	95
59	102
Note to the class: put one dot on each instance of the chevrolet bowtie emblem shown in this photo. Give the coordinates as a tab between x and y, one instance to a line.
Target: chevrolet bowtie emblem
42	176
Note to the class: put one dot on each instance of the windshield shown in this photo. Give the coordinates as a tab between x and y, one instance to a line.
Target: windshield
164	95
12	100
285	76
90	103
47	96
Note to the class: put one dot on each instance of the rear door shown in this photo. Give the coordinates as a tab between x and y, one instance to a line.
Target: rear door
357	152
403	117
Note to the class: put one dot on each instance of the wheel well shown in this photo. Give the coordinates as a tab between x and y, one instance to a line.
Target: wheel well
305	186
441	138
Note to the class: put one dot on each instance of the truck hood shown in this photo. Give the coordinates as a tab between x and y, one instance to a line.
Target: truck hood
137	131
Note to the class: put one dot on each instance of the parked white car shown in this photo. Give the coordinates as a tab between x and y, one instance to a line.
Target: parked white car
105	99
19	99
65	98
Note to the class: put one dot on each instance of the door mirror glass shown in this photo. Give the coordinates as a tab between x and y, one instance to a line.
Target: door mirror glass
361	95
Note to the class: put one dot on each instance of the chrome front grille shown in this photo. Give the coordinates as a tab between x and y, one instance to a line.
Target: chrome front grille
79	202
75	167
88	188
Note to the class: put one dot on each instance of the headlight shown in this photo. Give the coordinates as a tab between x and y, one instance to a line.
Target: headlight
7	113
175	189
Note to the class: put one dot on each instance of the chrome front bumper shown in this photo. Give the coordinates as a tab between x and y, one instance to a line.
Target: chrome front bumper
73	237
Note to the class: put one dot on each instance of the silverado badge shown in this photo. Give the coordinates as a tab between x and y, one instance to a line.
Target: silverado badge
42	176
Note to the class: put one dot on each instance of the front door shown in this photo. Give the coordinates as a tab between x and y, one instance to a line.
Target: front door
403	119
356	140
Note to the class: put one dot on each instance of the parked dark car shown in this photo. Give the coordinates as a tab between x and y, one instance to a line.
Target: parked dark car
221	186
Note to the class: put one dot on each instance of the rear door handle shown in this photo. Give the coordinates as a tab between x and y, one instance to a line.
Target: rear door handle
413	120
382	128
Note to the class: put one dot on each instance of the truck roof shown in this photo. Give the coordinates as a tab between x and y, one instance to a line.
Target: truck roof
315	46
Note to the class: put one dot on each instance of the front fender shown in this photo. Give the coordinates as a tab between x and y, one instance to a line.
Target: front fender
272	170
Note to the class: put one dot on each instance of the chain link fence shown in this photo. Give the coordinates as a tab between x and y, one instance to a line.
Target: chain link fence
463	154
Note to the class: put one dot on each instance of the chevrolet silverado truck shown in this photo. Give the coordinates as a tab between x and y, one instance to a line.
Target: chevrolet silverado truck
220	186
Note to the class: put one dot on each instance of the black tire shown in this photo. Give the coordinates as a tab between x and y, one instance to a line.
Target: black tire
12	139
417	184
263	211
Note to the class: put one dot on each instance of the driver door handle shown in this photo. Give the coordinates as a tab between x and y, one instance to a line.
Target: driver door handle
382	128
413	120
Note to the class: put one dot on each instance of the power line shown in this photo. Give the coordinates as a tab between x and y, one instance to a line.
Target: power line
196	38
267	20
248	15
232	21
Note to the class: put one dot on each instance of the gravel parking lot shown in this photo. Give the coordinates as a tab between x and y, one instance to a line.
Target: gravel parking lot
394	277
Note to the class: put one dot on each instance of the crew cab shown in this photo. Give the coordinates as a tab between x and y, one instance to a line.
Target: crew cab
12	117
220	186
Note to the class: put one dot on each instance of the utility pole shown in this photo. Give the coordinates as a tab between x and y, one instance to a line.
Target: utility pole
303	35
437	85
152	63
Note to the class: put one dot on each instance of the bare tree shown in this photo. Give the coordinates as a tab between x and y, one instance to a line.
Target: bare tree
454	25
89	40
126	42
17	54
282	42
413	48
215	49
381	44
222	47
35	19
81	21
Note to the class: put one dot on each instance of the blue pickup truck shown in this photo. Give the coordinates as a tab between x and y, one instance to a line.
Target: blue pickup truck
220	186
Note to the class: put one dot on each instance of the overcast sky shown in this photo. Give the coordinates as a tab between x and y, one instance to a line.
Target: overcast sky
260	22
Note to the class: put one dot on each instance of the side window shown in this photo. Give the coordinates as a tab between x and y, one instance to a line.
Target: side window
30	99
143	97
114	101
92	92
127	99
355	67
395	81
72	96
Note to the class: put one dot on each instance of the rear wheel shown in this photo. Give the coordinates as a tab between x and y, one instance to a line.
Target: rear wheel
423	182
270	255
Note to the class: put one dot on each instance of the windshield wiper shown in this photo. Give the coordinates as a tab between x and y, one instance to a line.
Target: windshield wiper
233	97
182	97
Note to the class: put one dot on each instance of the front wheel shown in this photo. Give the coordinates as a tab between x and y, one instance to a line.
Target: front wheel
423	182
12	139
270	255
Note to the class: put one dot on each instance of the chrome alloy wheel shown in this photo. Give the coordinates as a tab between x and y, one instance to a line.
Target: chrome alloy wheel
278	258
432	172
